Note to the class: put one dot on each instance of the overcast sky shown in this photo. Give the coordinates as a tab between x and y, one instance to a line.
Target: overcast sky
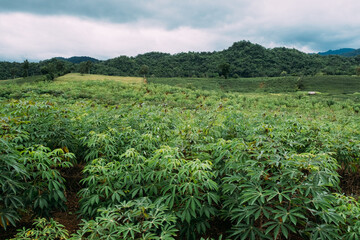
41	29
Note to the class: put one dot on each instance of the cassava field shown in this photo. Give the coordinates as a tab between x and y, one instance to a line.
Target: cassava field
91	157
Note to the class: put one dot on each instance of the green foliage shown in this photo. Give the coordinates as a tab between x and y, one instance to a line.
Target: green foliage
246	60
45	186
331	84
185	186
136	219
85	67
266	165
273	195
144	70
26	68
43	230
224	69
11	183
324	84
30	176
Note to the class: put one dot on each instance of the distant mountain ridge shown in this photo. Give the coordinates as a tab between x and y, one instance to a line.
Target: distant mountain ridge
352	54
346	52
243	59
77	59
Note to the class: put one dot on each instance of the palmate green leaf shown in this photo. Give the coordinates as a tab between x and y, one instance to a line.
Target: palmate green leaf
210	184
115	197
8	215
108	191
330	216
192	202
128	231
277	228
94	199
230	189
212	197
321	201
42	203
14	185
284	231
275	192
238	215
254	211
13	201
250	196
292	214
324	232
247	231
187	214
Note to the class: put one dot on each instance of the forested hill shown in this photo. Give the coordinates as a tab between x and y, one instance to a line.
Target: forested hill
242	59
78	59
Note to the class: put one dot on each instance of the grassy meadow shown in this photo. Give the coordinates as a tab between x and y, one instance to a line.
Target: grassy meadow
95	77
324	84
99	157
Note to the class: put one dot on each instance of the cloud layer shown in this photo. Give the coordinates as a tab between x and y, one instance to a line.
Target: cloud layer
39	37
39	29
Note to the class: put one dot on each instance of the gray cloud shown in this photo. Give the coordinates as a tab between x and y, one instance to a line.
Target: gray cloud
38	37
172	14
106	28
105	9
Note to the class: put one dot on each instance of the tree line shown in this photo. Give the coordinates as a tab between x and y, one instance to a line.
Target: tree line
242	59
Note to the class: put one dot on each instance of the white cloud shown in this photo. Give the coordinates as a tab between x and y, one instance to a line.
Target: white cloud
39	37
308	25
114	28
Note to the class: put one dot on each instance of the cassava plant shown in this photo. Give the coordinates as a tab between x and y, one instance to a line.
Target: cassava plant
45	186
43	230
277	195
187	187
12	176
136	219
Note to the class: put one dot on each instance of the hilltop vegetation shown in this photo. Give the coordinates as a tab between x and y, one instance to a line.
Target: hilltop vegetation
242	59
78	59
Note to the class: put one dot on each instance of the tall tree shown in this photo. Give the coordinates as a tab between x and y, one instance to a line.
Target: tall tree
144	70
26	66
88	66
13	71
60	66
358	71
224	69
85	67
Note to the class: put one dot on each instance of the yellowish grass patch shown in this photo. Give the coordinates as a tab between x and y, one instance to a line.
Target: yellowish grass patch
96	77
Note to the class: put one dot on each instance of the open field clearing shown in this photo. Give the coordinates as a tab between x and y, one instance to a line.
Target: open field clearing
85	77
323	84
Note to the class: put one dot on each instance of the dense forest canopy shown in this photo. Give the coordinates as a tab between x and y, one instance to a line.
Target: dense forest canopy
242	59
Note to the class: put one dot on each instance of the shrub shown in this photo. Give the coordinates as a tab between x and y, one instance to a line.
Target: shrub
11	182
43	230
273	195
136	219
45	186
